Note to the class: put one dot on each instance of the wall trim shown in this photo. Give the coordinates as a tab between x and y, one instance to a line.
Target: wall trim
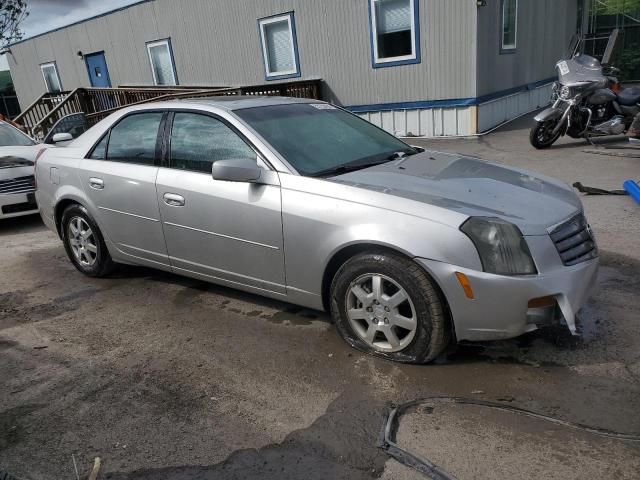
448	103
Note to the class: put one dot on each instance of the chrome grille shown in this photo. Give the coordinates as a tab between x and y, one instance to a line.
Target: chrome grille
17	185
574	241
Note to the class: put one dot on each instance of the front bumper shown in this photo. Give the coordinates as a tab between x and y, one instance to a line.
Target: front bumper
499	309
17	204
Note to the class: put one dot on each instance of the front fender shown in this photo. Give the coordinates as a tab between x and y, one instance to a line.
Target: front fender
322	218
550	113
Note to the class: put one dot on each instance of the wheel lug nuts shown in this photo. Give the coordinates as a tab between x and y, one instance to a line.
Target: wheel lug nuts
386	320
369	309
386	309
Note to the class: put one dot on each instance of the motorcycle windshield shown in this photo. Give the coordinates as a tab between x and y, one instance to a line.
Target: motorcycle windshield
582	68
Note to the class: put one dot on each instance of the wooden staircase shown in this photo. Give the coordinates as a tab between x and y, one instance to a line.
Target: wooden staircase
97	103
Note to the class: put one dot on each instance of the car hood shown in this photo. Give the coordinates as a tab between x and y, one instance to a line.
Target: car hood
472	187
17	161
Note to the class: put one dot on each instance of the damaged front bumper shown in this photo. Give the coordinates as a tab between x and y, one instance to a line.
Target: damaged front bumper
501	305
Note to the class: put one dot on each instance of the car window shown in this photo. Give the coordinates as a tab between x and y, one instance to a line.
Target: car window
100	150
199	140
10	136
133	139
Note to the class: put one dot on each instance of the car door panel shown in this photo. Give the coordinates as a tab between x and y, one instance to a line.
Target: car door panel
226	230
127	206
119	178
222	230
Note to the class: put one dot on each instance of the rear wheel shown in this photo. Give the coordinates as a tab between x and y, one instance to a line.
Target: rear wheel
84	243
542	135
386	305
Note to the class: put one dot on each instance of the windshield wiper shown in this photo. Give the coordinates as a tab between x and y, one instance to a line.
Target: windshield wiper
346	168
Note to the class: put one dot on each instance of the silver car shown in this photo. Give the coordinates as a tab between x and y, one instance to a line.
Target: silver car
301	201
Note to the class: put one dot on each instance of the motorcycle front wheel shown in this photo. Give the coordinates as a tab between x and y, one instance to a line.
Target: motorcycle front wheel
542	135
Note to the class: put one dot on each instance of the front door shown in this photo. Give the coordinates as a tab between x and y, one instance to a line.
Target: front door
119	177
230	232
97	68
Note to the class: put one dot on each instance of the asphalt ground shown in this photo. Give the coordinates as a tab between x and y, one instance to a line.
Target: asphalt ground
166	377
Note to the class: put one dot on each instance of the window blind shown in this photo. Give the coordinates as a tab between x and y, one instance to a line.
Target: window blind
51	78
162	64
279	51
393	15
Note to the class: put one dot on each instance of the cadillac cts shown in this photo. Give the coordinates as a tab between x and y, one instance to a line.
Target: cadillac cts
304	202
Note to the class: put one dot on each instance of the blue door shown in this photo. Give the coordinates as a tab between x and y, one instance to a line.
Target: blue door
97	68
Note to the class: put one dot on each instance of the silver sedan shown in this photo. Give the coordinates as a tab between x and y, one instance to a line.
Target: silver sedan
302	201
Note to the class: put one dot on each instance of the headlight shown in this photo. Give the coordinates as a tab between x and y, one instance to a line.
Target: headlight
565	93
501	246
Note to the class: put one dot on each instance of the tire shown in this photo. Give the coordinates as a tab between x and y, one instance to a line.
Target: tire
89	255
540	137
424	307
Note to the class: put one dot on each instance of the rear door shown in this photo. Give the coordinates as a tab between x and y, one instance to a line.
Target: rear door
218	230
119	177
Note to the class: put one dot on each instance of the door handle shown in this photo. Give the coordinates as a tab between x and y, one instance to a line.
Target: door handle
173	200
96	183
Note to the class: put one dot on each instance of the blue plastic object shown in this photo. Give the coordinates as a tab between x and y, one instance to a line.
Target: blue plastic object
632	189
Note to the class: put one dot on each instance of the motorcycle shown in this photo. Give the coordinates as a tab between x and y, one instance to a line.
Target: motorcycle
587	102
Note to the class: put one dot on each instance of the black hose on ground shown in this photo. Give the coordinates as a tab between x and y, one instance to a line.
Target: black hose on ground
387	437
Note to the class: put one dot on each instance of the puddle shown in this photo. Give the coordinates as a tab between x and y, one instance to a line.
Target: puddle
294	316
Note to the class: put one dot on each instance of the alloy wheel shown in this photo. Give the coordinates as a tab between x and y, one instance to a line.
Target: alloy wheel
82	242
381	312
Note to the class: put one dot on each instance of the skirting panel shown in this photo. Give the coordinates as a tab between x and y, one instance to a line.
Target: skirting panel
495	112
432	122
459	120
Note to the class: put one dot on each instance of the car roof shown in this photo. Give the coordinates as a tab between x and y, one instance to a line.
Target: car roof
239	102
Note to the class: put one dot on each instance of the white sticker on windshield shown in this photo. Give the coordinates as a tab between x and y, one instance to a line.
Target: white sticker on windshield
322	106
563	67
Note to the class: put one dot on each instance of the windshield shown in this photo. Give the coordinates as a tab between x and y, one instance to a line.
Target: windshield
10	136
582	68
319	138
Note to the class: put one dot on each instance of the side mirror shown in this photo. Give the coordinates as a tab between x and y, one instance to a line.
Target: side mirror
61	137
236	170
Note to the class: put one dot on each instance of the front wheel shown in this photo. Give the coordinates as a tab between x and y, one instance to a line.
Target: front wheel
542	134
386	305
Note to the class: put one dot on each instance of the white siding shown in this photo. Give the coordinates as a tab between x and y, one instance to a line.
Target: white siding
433	122
216	42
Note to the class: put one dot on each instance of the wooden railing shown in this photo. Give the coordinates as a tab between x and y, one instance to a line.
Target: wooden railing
39	109
98	103
91	100
299	89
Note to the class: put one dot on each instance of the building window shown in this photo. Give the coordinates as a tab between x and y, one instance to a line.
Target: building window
279	46
509	25
395	32
51	78
161	59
